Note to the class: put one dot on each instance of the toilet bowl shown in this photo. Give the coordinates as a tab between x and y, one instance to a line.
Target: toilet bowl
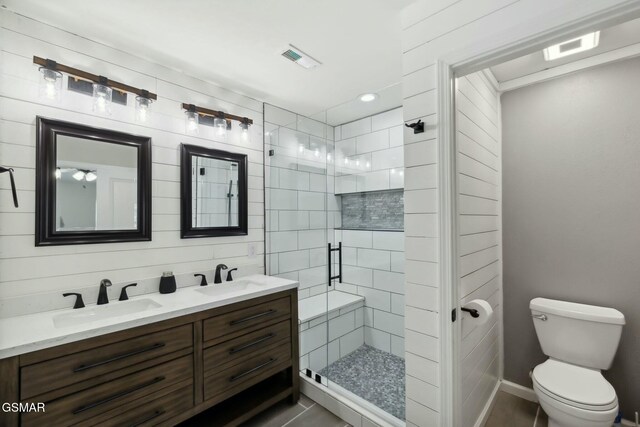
580	341
573	396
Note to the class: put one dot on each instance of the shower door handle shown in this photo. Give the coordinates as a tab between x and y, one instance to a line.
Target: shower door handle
339	250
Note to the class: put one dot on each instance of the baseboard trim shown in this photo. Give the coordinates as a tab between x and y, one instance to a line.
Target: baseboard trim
486	411
523	392
530	395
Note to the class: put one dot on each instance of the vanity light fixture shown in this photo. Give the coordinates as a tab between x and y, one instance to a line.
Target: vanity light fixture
220	123
244	125
569	47
102	89
82	175
143	106
219	119
192	119
91	176
50	88
102	95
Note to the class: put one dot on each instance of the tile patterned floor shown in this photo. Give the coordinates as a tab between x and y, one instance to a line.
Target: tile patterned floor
513	411
374	375
305	413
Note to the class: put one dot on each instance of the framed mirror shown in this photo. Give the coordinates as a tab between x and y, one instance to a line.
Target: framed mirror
213	192
92	185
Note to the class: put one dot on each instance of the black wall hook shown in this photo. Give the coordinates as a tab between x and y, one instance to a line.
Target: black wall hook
13	184
418	127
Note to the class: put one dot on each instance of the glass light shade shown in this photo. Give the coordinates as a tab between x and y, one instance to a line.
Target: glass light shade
191	121
221	126
245	131
143	108
91	176
50	88
58	173
102	98
79	176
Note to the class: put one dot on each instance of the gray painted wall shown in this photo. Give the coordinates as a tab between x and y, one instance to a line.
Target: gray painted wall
571	210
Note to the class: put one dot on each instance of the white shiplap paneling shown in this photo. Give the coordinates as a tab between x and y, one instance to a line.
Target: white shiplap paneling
33	279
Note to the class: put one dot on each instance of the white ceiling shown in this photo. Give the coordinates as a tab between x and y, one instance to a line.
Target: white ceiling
611	38
237	44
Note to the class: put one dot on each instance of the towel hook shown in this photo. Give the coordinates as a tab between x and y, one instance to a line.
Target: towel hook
13	184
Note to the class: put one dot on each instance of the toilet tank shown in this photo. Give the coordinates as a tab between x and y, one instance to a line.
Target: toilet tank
584	335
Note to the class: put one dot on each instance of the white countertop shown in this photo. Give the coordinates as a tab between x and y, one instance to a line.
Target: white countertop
24	334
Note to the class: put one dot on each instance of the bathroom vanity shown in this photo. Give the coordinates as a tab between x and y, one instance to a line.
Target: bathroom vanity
230	350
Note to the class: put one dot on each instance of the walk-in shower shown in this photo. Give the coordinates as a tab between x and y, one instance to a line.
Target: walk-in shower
334	222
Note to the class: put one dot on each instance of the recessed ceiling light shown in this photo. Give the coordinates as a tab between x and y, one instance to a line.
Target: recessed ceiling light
368	97
569	47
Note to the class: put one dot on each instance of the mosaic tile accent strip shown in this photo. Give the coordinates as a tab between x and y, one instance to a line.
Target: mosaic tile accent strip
374	375
375	210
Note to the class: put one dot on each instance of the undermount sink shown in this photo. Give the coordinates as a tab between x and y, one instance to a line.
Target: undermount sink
229	288
102	312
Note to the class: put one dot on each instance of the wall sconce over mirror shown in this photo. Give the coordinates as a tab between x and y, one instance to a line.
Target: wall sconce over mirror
100	87
221	121
213	192
92	185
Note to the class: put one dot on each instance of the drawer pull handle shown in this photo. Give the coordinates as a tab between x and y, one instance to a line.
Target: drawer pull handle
251	344
118	357
117	395
255	316
252	370
149	418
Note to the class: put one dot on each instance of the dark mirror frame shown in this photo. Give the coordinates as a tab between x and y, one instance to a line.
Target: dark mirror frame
187	230
46	234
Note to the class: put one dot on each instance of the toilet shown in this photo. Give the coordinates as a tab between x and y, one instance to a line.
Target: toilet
580	340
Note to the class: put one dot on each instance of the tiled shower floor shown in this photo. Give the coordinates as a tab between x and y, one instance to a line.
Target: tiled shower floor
374	375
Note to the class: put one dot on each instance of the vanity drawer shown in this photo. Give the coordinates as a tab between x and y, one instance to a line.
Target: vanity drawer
56	373
247	346
87	406
231	380
246	318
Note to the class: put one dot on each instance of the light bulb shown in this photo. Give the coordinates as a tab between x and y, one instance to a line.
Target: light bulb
220	123
51	85
143	107
91	176
191	121
244	125
58	173
78	176
102	95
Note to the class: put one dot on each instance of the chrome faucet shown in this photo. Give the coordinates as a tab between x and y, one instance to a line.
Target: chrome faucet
103	298
218	278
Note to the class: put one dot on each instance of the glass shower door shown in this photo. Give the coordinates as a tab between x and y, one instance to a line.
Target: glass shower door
296	221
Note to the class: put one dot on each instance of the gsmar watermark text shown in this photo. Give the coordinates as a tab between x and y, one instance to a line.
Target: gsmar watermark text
23	407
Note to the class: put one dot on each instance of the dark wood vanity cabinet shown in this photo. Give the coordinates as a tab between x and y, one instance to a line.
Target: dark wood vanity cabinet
232	362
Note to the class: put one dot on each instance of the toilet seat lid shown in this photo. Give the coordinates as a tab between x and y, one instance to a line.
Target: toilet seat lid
583	386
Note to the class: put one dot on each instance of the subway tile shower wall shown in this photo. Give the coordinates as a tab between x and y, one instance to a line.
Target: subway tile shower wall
378	210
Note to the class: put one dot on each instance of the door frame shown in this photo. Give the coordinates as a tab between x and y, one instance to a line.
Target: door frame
460	63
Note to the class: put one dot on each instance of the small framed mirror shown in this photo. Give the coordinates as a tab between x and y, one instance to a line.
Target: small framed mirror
213	192
92	185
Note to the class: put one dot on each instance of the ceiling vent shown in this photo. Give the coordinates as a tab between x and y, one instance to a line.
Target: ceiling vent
294	54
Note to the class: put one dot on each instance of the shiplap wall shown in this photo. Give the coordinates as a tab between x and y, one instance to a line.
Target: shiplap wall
450	30
32	279
478	136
